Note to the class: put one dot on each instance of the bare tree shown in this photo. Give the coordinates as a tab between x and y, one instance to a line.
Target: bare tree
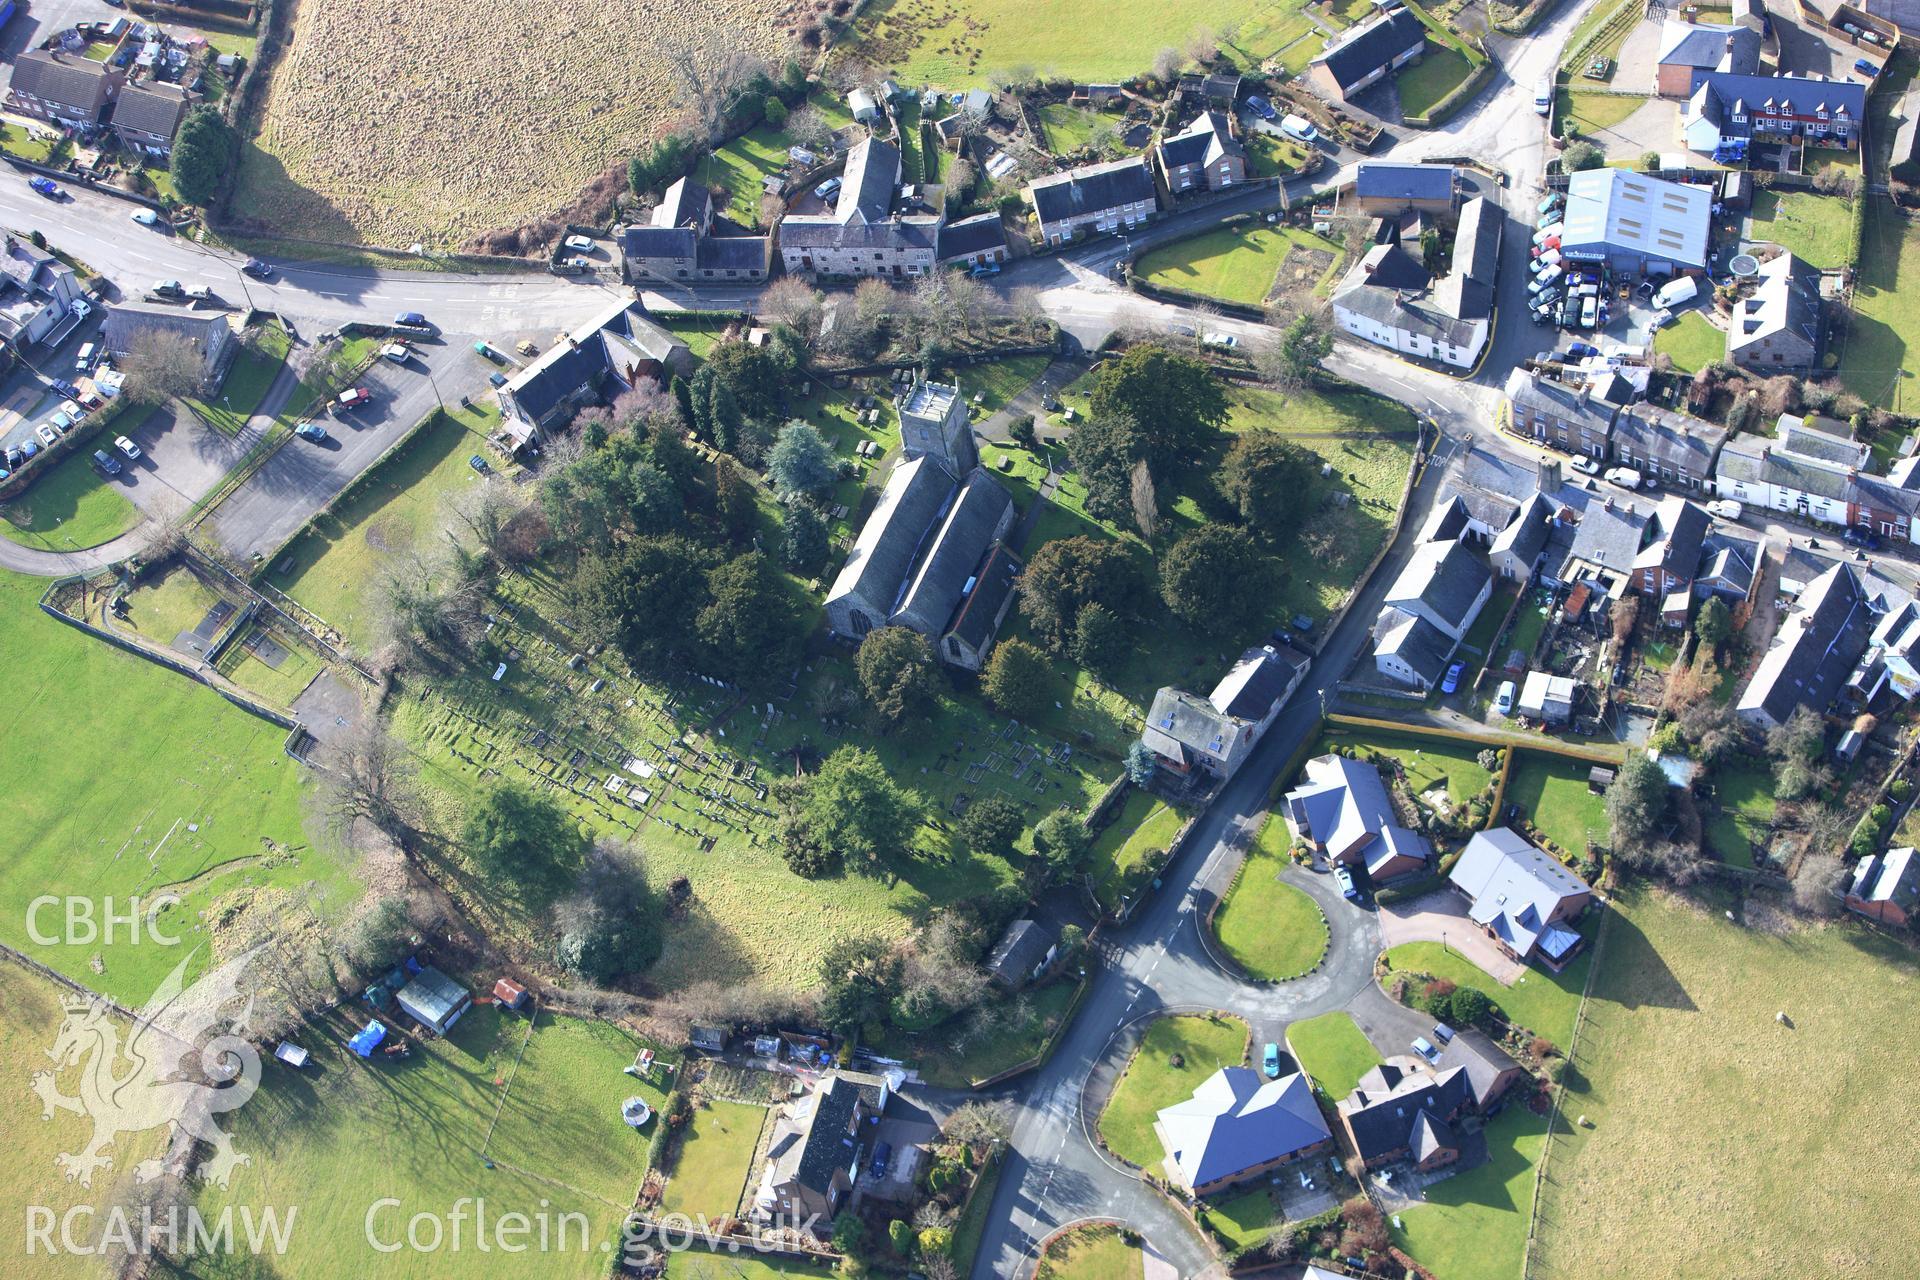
165	532
1816	885
709	83
161	365
425	608
487	512
1146	510
792	302
1026	306
366	775
808	128
1166	63
978	1123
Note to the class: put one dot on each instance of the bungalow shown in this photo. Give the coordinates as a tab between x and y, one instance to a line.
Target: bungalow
1886	887
1343	810
1777	327
1237	1127
63	88
1521	896
1368	53
599	360
1403	1110
1553	413
1209	738
1094	198
1207	156
1677	448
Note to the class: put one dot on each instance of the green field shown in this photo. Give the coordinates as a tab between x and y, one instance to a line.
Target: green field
1817	228
345	1134
1552	792
1234	264
1473	1225
30	1019
399	508
1069	39
1143	830
1271	929
1874	360
1692	342
1333	1051
742	164
136	781
69	508
1681	1064
715	1159
695	1264
1745	794
1203	1043
1544	1003
1090	1253
247	382
1439	72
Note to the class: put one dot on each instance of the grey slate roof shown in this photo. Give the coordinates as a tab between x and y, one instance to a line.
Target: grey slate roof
1484	1062
731	253
867	185
1754	460
1020	950
127	322
607	346
903	233
1745	94
1431	1136
885	548
1416	642
978	234
1526	536
959	545
65	78
1785	302
1091	188
974	622
1235	1121
828	1147
150	108
684	205
1377	181
1679	528
1207	140
1252	685
1371	46
1669	438
1708	45
1447	576
1448	519
1179	722
1466	291
1814	650
1559	402
641	242
1383	1110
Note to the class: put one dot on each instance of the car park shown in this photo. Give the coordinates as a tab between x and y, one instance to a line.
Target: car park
1726	508
1271	1060
1503	698
1452	680
1344	879
126	446
311	431
46	434
45	186
145	217
106	462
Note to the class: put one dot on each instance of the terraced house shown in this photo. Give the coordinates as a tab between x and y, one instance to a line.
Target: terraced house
1677	448
678	243
1738	109
875	228
1094	199
62	88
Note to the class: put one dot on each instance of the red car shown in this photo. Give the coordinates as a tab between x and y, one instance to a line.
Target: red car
353	397
1551	242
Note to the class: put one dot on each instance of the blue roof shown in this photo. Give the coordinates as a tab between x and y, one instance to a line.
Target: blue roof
1404	182
1806	95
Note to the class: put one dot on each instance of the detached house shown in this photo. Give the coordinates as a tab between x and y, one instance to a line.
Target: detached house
874	229
1207	739
596	362
1367	54
1342	808
816	1149
209	334
63	88
1390	299
1521	896
1777	328
1237	1127
1444	582
148	114
1207	156
1093	199
1814	651
1402	1110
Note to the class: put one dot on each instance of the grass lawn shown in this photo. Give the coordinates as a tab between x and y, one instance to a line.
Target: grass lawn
1818	228
337	1139
125	759
1439	72
1299	55
1244	1220
1695	1095
1090	1253
1429	762
1068	39
1143	831
253	371
998	381
1070	128
1544	1003
697	1264
1552	792
1204	1044
716	1155
1271	929
30	1020
1473	1225
744	163
399	509
1234	264
1270	156
279	684
1010	1045
1692	341
1590	113
1874	360
1333	1051
1745	794
69	508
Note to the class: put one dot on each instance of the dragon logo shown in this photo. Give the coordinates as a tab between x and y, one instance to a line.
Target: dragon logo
182	1064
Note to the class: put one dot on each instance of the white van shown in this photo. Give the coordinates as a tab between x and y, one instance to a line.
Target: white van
1543	97
84	360
1675	292
1299	127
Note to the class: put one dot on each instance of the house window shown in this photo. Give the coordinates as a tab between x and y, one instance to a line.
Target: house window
861	623
953	648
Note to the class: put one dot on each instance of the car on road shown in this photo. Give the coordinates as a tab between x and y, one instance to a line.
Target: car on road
1858	537
46	187
353	397
1625	477
1586	466
398	352
1260	106
106	462
1503	698
126	446
258	269
1726	508
1299	128
145	217
1271	1060
169	289
479	464
201	293
579	244
1344	878
413	318
1424	1047
1452	680
497	379
47	435
311	431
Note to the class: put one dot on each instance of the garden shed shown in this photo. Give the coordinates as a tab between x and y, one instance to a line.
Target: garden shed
434	1000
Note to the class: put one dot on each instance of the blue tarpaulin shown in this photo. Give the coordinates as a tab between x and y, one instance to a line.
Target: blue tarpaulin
368	1040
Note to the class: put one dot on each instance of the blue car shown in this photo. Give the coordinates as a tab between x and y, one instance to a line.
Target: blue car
1272	1060
65	388
1582	350
410	317
46	187
1260	106
1452	681
1865	68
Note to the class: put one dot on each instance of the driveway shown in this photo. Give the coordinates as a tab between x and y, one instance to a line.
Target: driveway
1441	916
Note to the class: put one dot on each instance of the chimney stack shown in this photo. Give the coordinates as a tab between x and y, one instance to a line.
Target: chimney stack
1549	476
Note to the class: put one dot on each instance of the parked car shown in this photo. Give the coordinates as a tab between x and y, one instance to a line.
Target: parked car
45	186
413	318
1424	1047
1859	537
258	269
106	462
1548	232
1452	680
1586	466
1225	341
1299	128
1270	1061
578	263
1865	68
497	379
1551	242
882	1152
1344	878
145	217
580	244
46	434
1582	350
1503	698
1726	508
1260	106
828	189
169	288
398	352
311	431
83	359
126	446
1625	477
1443	1033
1551	204
64	387
201	293
479	464
353	397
